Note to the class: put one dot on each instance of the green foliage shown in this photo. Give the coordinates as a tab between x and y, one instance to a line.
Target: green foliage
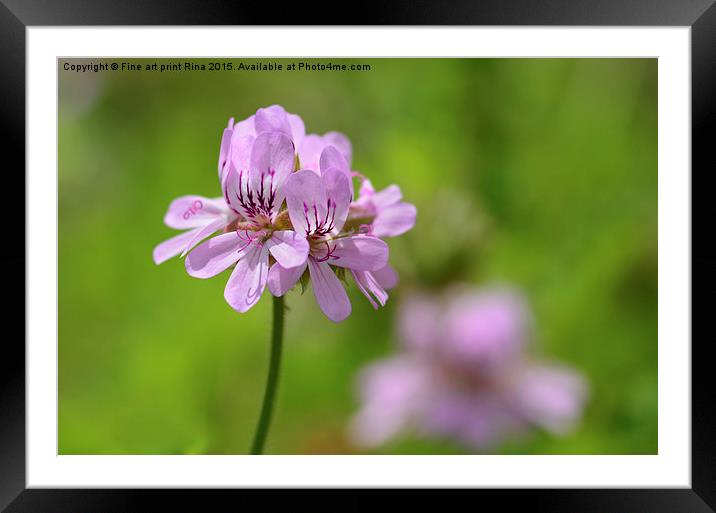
540	173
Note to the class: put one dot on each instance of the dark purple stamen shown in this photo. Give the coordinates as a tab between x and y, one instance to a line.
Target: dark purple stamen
263	203
322	227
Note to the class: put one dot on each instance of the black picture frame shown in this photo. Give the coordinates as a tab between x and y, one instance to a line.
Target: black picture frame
17	15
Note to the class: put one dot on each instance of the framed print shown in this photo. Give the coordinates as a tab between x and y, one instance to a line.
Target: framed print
455	254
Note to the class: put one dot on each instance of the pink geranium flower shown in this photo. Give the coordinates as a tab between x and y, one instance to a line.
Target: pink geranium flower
382	214
266	161
391	216
202	216
263	223
463	373
318	207
256	193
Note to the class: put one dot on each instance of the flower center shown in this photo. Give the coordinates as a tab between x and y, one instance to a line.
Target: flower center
321	248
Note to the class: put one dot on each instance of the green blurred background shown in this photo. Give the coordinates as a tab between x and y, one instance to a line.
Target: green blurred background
539	173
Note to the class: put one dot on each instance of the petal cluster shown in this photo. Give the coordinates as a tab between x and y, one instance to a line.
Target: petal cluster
463	373
288	214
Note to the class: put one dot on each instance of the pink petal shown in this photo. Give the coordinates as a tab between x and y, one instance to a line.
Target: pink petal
272	161
329	291
172	247
309	152
393	392
203	233
331	158
360	253
242	141
486	329
282	280
193	212
248	280
304	188
387	197
337	187
370	288
233	186
272	119
552	397
288	248
241	147
342	143
366	189
386	277
215	255
225	146
395	220
245	128
419	323
298	129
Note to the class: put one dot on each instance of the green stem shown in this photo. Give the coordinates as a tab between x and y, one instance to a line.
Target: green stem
272	381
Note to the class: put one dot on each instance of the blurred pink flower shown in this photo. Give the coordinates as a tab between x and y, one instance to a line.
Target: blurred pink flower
463	374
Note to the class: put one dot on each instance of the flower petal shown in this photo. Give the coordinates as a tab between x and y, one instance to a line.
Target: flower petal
392	393
551	396
248	280
304	189
288	248
272	119
331	158
272	161
193	212
420	323
225	146
366	189
387	197
215	255
241	147
360	252
342	144
309	152
395	220
337	187
370	288
329	291
298	129
245	128
282	280
234	186
242	140
386	277
172	247
203	233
